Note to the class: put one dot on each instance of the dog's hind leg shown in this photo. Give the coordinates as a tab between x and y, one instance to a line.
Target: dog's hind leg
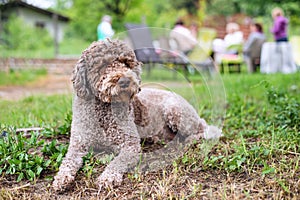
184	121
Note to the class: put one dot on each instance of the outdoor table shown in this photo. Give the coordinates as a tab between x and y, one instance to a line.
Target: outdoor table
277	57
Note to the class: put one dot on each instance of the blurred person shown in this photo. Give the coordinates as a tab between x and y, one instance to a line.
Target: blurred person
280	25
194	30
221	47
104	29
234	36
256	32
184	38
253	45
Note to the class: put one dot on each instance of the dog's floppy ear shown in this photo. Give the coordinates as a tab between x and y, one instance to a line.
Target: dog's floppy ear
141	113
80	80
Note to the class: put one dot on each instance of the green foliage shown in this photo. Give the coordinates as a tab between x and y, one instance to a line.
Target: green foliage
20	155
220	7
191	6
87	14
286	109
85	17
28	155
258	134
55	153
62	6
72	46
155	14
21	77
91	161
66	127
18	35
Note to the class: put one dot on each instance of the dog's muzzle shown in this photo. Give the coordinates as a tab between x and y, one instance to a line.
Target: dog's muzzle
124	82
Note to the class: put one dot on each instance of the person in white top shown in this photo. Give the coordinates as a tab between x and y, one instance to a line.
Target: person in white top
104	29
234	35
184	39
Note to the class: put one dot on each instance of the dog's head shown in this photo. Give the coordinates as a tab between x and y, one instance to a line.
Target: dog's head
107	70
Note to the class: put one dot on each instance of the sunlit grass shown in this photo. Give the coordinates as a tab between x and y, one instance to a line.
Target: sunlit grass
21	77
41	111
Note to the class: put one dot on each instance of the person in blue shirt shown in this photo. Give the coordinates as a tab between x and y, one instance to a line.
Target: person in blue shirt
104	29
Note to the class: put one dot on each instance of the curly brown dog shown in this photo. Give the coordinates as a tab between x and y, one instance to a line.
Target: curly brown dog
111	112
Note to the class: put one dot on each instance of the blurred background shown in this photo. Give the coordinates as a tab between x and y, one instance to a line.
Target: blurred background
63	28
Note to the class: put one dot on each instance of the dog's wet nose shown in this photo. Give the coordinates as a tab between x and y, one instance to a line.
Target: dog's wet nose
124	82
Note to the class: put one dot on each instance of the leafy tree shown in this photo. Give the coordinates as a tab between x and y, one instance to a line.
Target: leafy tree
18	35
62	5
155	13
86	15
191	6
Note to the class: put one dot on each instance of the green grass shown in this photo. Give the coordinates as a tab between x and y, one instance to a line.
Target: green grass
258	157
41	111
45	52
21	77
64	50
77	46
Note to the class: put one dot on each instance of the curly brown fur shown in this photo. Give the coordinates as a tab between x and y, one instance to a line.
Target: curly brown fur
97	62
105	78
111	113
141	115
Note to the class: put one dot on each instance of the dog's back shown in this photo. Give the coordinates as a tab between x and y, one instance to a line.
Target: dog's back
164	114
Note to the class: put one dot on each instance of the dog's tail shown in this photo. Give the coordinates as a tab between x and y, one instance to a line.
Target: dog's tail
212	132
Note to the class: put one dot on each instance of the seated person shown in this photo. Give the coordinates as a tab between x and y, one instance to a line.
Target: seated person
253	45
233	37
185	41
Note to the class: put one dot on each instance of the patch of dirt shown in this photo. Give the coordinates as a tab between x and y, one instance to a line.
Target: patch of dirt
184	182
49	85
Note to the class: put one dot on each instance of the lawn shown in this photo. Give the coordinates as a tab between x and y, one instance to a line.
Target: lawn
64	50
20	77
258	157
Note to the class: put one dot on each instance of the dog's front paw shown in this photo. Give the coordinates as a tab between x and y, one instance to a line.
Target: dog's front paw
109	179
61	182
212	132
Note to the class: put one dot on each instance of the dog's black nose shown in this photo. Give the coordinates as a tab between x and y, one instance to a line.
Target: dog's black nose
124	82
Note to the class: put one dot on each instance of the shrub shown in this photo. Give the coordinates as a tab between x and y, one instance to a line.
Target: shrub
18	35
27	156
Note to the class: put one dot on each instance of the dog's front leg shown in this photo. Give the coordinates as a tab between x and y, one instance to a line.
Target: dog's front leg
125	160
69	166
